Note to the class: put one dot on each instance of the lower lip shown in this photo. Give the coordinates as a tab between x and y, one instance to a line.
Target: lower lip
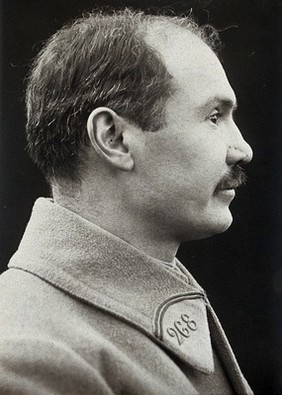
230	193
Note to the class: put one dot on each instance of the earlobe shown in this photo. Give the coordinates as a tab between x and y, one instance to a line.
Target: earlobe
106	133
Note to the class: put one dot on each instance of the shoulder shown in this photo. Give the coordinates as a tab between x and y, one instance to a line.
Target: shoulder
41	365
28	304
52	342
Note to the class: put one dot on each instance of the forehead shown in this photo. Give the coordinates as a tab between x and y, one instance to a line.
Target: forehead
197	71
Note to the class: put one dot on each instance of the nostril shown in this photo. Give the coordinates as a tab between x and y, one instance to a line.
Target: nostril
244	161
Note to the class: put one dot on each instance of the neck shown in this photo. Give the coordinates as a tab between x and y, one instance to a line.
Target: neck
145	236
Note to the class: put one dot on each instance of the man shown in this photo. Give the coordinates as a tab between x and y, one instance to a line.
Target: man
130	118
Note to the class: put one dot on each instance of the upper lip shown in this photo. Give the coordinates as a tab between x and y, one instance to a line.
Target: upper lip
228	185
234	179
224	187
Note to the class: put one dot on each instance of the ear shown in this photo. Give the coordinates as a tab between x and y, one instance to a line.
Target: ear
106	133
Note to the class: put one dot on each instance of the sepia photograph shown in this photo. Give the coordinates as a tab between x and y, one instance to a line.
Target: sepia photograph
141	197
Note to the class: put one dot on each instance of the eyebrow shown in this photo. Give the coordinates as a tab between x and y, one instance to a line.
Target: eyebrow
217	101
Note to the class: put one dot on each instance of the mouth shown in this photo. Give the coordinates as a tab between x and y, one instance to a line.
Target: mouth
225	195
226	189
227	192
233	180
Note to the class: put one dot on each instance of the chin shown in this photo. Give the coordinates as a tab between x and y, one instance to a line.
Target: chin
218	226
209	227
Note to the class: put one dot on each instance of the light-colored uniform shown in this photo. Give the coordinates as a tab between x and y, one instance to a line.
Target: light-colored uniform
84	312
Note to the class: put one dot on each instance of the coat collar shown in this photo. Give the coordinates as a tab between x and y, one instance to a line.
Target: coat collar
99	268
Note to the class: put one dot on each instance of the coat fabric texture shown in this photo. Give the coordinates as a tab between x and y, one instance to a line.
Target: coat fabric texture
84	312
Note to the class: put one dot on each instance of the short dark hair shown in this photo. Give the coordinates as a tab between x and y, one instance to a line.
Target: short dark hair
101	59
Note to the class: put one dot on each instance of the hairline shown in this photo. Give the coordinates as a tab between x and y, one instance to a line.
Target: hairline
142	27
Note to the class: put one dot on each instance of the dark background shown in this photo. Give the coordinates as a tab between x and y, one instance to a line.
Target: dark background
241	269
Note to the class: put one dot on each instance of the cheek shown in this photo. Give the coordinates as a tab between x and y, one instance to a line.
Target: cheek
201	165
188	162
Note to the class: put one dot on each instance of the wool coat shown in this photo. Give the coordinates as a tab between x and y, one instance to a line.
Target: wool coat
84	312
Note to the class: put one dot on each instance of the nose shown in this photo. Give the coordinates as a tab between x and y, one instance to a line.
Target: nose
238	149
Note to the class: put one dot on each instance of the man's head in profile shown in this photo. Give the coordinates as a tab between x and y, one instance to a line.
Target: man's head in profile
131	119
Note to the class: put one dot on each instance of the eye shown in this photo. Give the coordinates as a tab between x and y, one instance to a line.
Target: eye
214	117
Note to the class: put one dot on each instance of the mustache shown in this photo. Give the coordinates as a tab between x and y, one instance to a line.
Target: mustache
235	178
